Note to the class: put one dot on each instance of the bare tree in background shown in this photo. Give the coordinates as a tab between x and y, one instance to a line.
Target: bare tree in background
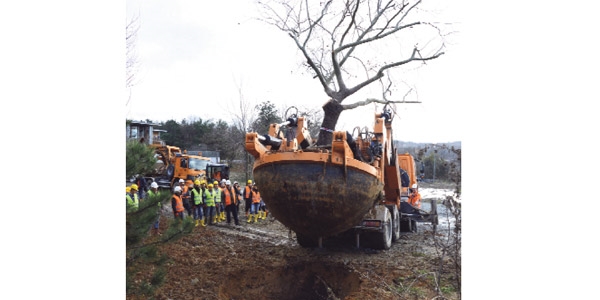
350	44
242	118
132	62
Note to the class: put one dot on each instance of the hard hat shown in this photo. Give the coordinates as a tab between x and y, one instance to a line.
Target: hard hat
197	182
228	182
134	187
203	182
177	189
210	185
181	181
154	185
216	182
223	180
414	186
128	189
235	182
249	181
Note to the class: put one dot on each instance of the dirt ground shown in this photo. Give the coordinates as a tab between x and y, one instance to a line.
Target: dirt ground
263	261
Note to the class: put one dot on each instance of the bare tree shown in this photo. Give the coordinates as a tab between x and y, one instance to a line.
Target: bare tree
350	44
132	61
243	116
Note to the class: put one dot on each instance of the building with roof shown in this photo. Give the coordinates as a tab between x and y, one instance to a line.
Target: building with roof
144	132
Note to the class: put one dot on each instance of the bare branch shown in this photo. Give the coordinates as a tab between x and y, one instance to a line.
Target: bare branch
373	100
360	38
352	22
310	62
132	61
336	71
311	26
413	57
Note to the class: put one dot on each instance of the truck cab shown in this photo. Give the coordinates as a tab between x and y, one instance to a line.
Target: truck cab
407	164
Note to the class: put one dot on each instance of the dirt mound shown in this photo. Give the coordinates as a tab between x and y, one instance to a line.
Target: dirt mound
264	261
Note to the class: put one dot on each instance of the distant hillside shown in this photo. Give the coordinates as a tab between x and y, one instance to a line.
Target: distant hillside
413	148
403	144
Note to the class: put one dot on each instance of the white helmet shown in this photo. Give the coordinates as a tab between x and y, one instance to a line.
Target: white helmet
177	189
228	182
154	185
181	181
223	181
414	186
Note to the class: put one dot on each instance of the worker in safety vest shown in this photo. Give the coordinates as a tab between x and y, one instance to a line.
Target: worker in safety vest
229	197
153	192
197	201
262	209
131	205
202	190
217	201
255	205
186	196
415	198
133	202
209	196
248	196
238	194
177	203
222	209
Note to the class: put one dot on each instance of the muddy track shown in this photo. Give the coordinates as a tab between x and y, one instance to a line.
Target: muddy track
260	235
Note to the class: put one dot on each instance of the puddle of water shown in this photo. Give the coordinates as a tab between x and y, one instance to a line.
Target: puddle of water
445	218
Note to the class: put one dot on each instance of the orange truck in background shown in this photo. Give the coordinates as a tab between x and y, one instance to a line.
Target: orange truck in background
409	174
173	164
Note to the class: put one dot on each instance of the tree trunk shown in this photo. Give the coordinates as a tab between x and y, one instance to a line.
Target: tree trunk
332	110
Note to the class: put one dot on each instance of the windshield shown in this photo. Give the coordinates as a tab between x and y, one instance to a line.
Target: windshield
198	164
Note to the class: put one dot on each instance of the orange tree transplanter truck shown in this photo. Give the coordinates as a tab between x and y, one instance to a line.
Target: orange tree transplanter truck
173	164
351	186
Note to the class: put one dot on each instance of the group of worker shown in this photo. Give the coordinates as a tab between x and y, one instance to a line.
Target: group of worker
134	194
211	203
206	203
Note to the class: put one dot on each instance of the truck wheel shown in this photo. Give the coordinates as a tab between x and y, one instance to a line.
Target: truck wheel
305	241
396	223
170	171
383	239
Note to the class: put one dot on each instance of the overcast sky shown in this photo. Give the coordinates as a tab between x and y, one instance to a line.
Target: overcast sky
193	53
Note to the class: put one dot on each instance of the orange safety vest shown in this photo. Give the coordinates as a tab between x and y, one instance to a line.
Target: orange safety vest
184	191
228	196
248	192
255	197
415	200
178	204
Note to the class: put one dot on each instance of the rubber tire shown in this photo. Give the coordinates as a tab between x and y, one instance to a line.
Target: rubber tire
170	171
395	223
306	241
383	240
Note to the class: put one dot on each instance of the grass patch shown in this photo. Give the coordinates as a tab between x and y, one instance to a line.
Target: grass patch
447	289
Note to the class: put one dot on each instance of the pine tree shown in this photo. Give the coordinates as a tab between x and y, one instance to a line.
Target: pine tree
141	248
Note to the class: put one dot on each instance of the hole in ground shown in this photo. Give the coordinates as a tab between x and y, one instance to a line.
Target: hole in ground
301	280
